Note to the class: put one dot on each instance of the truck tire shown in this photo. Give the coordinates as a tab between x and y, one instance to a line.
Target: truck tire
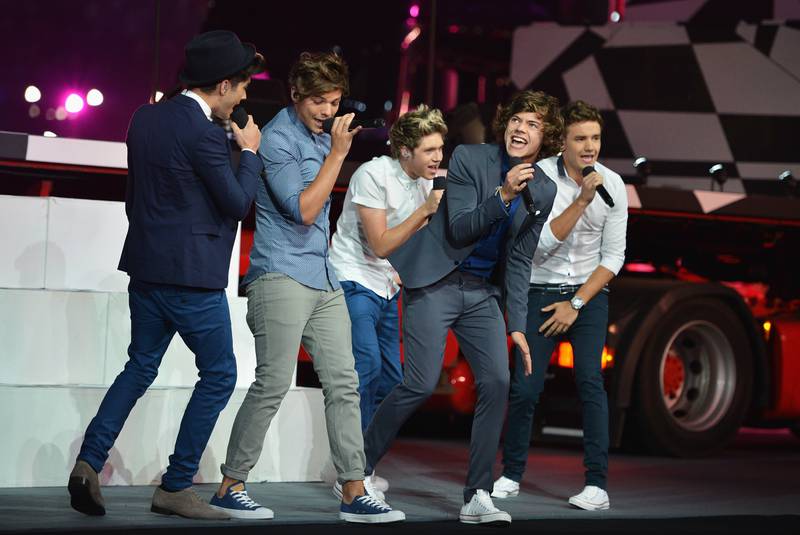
694	380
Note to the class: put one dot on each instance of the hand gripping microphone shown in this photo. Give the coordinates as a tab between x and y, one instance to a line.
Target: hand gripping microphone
601	189
526	193
327	124
239	116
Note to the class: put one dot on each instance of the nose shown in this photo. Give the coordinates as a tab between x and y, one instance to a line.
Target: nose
437	156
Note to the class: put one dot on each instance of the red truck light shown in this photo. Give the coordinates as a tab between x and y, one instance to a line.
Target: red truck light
564	358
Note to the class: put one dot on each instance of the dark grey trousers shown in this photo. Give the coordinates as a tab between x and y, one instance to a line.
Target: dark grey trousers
469	306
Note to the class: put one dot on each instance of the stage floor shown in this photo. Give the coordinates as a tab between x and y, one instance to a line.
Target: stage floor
753	487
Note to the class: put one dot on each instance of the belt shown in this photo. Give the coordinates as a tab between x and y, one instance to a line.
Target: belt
561	288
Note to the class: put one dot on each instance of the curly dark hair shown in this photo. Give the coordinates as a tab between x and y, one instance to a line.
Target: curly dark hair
579	112
317	73
535	102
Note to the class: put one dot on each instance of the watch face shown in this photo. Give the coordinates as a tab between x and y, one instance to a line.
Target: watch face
576	303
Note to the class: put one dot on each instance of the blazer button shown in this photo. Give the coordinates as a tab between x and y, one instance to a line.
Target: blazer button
455	262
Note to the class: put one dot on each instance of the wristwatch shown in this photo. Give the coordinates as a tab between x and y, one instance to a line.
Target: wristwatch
576	303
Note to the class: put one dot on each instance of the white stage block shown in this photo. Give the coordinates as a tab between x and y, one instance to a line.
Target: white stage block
84	243
23	237
43	436
52	337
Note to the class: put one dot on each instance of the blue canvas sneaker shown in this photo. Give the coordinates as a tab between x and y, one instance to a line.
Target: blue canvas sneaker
238	504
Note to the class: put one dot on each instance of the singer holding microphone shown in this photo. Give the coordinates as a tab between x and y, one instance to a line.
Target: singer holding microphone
389	198
457	271
582	248
294	297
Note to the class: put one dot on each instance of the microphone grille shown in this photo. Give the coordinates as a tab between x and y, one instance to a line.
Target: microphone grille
588	170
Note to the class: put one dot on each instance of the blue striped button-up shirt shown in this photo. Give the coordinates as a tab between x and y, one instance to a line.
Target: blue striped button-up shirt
292	158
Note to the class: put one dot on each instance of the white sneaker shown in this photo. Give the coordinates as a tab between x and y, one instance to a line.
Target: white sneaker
368	485
505	488
591	498
379	483
481	510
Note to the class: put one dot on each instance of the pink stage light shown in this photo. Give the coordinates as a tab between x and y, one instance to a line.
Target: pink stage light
409	38
414	10
74	103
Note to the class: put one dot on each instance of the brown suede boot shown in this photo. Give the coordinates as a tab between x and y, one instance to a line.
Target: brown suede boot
185	503
84	490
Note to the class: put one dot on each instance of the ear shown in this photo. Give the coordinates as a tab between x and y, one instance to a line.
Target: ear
223	86
294	95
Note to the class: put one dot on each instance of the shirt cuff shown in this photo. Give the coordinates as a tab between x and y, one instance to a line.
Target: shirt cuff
250	150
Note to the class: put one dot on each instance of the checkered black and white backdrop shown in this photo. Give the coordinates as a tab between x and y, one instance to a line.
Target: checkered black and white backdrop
685	83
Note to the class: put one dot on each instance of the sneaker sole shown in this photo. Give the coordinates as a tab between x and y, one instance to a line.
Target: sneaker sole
81	499
245	515
502	495
587	506
491	519
382	518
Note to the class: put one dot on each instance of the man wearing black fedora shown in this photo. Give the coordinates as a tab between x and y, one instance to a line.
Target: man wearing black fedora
183	202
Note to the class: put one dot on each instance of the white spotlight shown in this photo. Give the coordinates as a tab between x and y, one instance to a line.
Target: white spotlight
94	97
32	94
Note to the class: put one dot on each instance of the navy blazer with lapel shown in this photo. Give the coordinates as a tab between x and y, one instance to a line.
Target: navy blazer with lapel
183	200
468	211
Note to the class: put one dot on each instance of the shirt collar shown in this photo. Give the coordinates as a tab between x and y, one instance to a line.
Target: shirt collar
197	98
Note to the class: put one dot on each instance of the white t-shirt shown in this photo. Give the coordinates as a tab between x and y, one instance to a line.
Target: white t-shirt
379	183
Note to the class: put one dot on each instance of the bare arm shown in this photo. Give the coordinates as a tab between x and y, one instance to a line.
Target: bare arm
314	197
562	225
383	241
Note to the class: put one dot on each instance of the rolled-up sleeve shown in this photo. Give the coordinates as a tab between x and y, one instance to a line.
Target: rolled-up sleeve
281	158
547	240
612	249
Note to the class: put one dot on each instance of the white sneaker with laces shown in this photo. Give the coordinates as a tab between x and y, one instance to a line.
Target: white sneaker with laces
591	498
368	485
481	510
380	484
505	488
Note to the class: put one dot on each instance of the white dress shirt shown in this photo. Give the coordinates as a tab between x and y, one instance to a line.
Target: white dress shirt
598	238
379	183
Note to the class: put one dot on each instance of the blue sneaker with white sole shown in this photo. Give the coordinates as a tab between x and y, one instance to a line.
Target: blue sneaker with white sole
238	504
369	510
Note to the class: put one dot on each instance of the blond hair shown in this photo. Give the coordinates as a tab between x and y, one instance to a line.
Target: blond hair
412	126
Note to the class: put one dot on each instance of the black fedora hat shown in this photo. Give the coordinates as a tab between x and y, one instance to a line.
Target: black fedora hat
215	55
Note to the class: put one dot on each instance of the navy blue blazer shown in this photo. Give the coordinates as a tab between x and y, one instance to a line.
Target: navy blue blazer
183	199
468	211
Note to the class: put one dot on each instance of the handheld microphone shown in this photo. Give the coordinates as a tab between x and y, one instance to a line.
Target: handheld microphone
239	116
439	182
327	124
526	193
601	189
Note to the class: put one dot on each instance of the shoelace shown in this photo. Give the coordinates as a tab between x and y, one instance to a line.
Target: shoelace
242	497
486	502
374	502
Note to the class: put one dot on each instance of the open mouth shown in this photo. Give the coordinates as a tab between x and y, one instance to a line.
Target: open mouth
518	142
587	158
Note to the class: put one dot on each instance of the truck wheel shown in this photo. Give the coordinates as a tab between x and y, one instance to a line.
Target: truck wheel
694	380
